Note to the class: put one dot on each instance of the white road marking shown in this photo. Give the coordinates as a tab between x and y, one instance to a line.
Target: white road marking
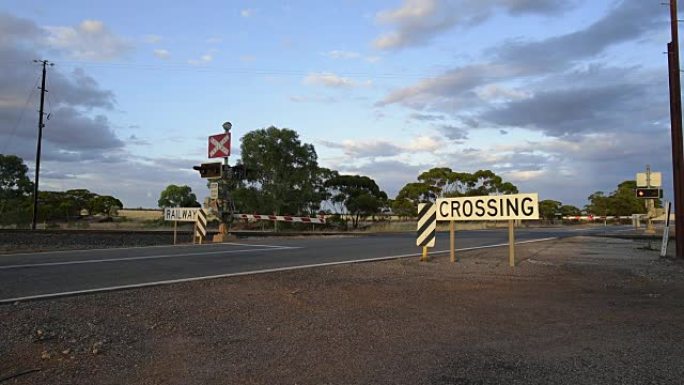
119	248
263	271
161	256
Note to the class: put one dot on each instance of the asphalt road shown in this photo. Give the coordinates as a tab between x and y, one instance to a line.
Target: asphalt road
52	274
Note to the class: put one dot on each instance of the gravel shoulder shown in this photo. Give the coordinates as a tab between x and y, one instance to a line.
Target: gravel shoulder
574	311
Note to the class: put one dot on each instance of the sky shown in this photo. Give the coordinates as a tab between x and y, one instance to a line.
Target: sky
563	98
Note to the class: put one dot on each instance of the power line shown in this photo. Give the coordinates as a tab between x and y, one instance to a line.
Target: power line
180	67
21	116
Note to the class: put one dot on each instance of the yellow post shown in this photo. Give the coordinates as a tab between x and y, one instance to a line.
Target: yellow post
511	242
452	240
424	258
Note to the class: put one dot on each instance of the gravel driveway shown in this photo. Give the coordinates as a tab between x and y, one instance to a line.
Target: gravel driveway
574	311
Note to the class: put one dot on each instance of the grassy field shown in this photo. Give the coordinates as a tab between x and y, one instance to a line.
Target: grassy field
141	215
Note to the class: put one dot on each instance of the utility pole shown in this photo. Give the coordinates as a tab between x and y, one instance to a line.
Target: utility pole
40	137
676	128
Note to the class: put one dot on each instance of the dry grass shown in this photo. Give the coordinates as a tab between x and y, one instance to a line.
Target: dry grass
141	215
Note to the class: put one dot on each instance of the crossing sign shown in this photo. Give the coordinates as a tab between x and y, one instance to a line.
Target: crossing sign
219	145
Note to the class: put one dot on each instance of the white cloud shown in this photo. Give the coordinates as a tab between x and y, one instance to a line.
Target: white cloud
528	175
338	54
247	12
312	99
204	59
90	40
425	144
497	92
328	79
418	21
161	53
374	148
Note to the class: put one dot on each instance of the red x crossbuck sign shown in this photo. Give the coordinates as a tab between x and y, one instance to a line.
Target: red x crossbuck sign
219	145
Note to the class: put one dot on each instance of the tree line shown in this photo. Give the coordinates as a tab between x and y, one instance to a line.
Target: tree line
16	200
283	177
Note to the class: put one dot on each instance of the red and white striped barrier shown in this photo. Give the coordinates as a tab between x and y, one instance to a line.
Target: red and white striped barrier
596	217
281	218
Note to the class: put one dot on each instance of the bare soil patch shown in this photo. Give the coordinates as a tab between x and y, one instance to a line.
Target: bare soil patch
575	311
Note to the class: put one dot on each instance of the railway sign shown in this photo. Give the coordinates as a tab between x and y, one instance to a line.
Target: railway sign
649	179
213	190
488	208
478	208
181	214
219	145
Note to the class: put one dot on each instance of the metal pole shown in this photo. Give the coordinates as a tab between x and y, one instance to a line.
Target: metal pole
676	128
649	204
40	138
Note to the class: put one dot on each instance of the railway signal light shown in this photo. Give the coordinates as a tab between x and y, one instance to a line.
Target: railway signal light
240	171
209	170
649	193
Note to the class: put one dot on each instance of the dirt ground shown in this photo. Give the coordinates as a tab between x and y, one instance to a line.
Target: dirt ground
574	311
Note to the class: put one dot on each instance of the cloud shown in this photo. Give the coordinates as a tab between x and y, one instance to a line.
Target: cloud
454	132
204	59
366	148
627	21
313	99
425	144
360	149
338	54
161	53
569	169
574	111
248	12
498	92
133	190
328	79
426	117
80	144
390	175
417	22
451	91
556	86
13	29
90	40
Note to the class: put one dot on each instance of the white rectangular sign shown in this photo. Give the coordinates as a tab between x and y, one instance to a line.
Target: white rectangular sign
181	214
642	179
488	208
213	190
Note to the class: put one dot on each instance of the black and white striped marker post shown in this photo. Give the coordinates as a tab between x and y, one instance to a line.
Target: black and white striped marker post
427	227
201	225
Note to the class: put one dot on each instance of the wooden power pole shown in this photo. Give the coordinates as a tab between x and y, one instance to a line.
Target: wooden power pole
676	127
45	63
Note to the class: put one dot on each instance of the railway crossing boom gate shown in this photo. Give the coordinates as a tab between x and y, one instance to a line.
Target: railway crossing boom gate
478	208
